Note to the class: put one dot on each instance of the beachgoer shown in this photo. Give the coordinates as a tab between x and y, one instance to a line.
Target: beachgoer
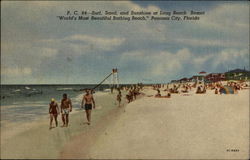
158	93
186	89
66	107
53	111
129	96
216	91
204	89
119	97
221	90
134	93
168	95
198	90
88	101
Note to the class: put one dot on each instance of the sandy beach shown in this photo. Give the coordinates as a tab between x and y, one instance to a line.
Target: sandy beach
181	127
185	126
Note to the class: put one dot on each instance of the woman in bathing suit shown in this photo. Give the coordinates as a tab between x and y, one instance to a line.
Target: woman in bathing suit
53	111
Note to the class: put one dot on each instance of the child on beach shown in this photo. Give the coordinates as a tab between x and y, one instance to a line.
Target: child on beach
53	111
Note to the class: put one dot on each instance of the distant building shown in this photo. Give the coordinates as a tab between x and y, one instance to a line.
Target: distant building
183	80
198	78
190	79
237	74
215	77
202	72
173	81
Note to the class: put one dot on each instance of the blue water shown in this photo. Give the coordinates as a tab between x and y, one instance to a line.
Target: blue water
24	103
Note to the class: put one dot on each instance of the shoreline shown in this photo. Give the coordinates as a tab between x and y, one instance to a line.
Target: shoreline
22	126
35	140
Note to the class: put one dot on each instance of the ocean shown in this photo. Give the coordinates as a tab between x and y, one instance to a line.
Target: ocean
26	103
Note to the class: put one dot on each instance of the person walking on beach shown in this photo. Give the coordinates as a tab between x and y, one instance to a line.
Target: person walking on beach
53	111
119	97
129	96
66	107
88	101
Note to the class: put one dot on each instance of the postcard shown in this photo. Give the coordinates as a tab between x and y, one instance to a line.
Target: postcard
125	79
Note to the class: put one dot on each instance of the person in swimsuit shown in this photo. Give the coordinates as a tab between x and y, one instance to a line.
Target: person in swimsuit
87	101
66	107
158	93
53	111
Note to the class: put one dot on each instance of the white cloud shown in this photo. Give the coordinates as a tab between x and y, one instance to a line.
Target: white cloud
227	17
164	63
10	72
230	57
210	42
47	52
200	60
170	63
226	25
234	58
97	42
82	44
160	62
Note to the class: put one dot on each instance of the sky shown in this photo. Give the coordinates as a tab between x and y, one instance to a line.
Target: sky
38	48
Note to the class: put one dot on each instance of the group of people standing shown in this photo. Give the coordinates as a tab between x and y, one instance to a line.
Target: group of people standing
132	93
66	107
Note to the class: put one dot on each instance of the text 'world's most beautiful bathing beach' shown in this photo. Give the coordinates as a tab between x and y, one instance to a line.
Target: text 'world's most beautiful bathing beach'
125	80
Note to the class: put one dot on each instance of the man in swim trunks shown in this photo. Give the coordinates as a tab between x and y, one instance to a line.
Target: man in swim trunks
66	107
88	100
53	111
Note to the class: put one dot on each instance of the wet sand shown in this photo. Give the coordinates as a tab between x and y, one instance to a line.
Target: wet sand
185	126
37	141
